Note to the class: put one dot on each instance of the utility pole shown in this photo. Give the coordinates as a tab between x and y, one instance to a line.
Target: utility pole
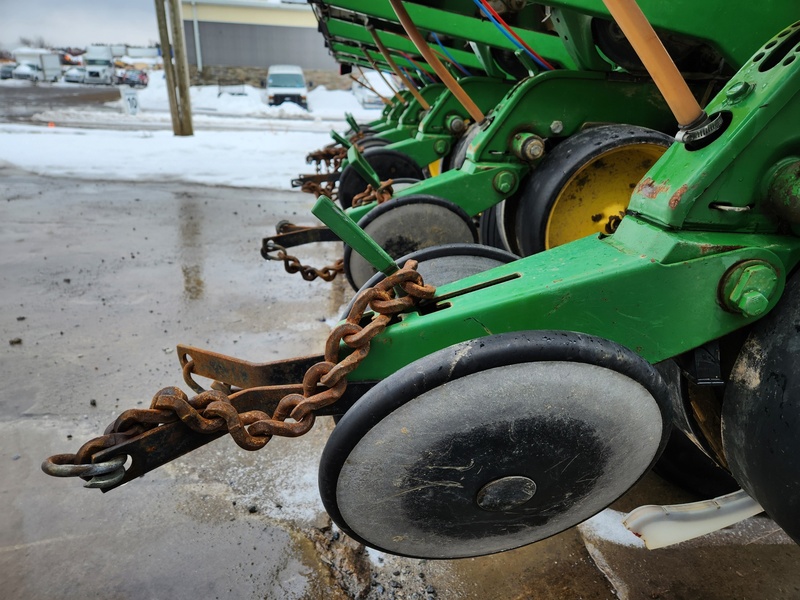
176	66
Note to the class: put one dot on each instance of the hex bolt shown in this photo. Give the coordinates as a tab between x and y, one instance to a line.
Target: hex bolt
440	147
527	146
456	124
749	288
556	127
738	92
504	182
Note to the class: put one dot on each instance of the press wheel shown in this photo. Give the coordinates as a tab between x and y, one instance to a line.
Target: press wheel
761	413
583	186
406	224
493	444
387	163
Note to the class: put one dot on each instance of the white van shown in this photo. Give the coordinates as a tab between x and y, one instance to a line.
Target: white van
286	83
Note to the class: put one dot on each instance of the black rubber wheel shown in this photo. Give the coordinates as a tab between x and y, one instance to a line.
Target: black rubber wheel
459	152
761	413
688	467
407	224
387	163
440	265
372	142
492	444
583	186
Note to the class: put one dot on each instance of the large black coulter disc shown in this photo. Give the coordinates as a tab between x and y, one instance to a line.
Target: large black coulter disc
492	444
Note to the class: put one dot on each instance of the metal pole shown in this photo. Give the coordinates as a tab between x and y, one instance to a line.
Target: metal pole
197	51
166	56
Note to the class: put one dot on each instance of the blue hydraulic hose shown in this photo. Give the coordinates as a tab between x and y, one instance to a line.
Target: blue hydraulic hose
502	30
448	55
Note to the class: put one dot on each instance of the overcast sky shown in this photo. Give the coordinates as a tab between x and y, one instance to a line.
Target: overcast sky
78	22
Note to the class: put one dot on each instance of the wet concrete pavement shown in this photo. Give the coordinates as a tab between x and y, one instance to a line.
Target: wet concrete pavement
98	283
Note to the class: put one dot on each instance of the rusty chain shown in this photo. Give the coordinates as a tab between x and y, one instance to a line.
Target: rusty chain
381	195
330	156
319	189
292	264
210	411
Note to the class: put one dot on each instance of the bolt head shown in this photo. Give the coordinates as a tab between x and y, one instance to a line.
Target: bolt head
556	127
753	304
440	147
738	91
533	149
753	289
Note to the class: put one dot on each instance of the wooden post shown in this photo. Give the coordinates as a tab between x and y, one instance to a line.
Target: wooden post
166	56
176	68
181	67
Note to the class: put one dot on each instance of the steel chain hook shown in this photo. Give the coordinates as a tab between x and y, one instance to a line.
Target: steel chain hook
210	411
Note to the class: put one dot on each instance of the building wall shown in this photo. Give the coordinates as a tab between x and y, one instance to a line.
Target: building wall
248	45
250	11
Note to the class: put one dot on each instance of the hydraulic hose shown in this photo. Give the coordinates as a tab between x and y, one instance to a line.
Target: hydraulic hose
657	61
408	83
433	61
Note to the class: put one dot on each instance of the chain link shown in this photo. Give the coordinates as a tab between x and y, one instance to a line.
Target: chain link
292	264
330	156
320	189
211	411
381	195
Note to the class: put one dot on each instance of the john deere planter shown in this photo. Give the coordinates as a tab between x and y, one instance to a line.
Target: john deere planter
520	397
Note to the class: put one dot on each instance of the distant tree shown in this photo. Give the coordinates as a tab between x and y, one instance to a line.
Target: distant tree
34	42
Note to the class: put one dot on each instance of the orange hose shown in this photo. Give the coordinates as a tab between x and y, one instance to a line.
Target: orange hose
375	68
370	88
656	60
431	58
409	84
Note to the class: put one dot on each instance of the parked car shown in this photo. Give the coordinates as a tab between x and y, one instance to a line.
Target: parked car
286	83
7	70
29	71
75	75
135	78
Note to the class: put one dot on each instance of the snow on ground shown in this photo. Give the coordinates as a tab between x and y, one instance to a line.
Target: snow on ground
239	140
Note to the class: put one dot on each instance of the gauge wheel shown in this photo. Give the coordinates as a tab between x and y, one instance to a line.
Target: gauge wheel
406	224
493	443
584	185
387	164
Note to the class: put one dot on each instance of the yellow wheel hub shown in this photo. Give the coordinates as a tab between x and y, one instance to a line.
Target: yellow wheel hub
596	196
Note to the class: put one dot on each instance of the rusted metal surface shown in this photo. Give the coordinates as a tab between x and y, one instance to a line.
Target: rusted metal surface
318	178
292	264
380	195
240	373
176	424
274	248
676	197
649	189
320	189
290	235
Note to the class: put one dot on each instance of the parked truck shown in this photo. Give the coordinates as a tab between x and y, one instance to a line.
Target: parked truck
37	64
99	62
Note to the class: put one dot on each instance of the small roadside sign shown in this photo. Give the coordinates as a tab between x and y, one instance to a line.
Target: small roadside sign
130	101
